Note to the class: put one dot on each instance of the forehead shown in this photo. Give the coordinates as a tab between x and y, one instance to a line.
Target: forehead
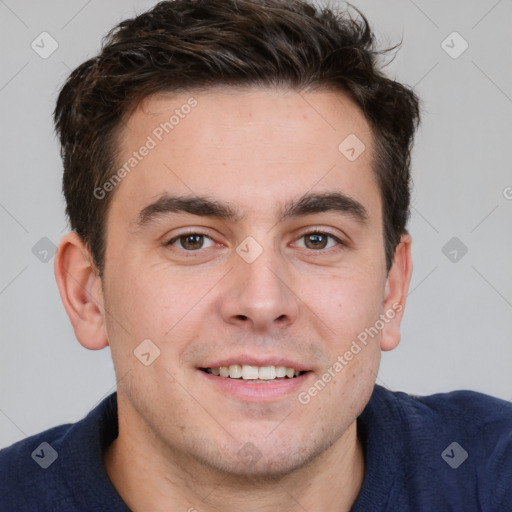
247	146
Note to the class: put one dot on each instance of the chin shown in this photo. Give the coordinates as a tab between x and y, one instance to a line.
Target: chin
265	468
254	461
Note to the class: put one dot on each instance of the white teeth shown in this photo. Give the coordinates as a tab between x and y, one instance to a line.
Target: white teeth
280	371
267	372
254	373
249	372
235	371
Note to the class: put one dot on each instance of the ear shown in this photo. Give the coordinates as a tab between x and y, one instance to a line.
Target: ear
81	291
397	286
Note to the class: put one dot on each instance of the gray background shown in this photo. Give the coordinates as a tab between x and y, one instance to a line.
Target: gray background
456	331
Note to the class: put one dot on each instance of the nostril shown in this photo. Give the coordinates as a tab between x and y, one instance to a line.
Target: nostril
242	317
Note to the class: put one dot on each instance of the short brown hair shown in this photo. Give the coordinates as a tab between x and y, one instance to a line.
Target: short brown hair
186	44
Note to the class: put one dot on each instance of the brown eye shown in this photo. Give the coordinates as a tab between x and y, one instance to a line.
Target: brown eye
190	241
316	241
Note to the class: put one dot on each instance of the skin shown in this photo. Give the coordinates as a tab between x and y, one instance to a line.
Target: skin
180	437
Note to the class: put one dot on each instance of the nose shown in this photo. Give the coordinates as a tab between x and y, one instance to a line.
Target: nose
258	295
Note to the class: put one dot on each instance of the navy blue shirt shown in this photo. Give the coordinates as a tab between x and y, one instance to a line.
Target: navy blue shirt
444	452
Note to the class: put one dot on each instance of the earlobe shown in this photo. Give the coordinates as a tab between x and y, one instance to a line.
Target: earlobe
397	286
81	292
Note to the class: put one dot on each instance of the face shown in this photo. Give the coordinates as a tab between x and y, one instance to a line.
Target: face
244	238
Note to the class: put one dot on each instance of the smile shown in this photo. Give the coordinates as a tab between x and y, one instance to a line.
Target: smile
254	373
256	384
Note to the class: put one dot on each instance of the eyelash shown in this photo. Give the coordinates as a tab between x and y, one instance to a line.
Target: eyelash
340	243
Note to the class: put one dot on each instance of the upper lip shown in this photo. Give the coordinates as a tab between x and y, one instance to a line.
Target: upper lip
256	361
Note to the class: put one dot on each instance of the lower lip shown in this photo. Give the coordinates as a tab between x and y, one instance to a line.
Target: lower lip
257	392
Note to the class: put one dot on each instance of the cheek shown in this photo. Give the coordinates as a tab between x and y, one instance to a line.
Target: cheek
153	302
349	305
348	302
136	308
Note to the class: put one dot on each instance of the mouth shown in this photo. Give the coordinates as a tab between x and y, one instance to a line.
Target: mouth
255	378
254	374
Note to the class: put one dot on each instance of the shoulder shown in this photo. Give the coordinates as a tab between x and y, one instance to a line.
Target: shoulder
482	429
453	447
477	418
29	466
56	469
463	410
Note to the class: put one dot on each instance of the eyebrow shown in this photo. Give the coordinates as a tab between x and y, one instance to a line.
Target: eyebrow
203	206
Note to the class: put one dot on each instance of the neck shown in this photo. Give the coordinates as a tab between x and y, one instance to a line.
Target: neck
147	479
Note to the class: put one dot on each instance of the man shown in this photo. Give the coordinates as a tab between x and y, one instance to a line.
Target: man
236	175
